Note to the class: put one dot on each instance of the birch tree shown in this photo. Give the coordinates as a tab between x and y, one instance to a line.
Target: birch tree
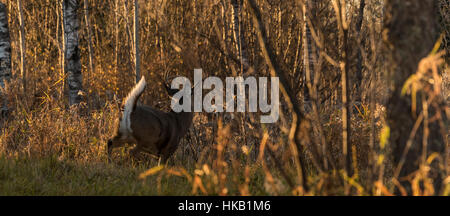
5	55
72	52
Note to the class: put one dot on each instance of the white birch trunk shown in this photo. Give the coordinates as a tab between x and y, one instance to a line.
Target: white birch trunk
5	56
72	53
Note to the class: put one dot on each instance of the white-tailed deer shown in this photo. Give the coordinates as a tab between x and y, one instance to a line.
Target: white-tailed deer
154	131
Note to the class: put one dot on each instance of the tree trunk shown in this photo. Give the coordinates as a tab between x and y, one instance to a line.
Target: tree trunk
237	32
344	64
299	134
137	67
308	53
22	47
410	31
61	46
88	27
117	31
72	52
359	75
5	56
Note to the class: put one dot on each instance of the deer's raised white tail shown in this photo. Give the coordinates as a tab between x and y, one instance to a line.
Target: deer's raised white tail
129	106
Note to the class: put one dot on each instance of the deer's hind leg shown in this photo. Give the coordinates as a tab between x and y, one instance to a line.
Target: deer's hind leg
168	151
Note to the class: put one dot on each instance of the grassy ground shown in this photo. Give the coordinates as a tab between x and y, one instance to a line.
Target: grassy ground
49	176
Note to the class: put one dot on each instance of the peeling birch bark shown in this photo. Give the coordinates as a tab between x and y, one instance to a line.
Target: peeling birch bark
72	52
5	56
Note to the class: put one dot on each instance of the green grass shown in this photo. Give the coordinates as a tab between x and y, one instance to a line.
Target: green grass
49	176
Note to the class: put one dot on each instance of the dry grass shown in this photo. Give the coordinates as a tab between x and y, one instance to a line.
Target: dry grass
52	150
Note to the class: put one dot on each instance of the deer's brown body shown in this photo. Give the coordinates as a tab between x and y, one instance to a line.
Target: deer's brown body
154	131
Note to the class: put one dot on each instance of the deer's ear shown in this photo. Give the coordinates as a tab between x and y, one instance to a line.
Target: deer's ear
170	91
